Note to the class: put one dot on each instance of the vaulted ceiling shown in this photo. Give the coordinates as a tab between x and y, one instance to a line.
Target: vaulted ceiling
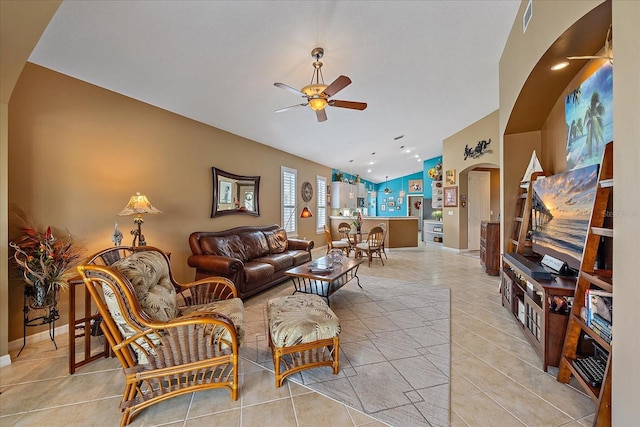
426	69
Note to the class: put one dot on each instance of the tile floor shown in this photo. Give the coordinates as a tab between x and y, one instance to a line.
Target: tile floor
496	377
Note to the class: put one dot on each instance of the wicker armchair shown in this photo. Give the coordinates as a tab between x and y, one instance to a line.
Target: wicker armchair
170	338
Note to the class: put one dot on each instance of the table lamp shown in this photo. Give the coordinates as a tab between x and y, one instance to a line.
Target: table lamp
138	205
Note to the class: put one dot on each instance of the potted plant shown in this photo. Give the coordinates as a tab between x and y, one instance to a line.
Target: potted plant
437	215
337	176
45	263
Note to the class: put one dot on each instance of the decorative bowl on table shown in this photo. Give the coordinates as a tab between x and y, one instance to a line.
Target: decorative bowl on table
335	255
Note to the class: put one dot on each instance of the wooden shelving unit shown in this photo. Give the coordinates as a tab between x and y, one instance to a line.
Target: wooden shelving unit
518	242
601	226
490	247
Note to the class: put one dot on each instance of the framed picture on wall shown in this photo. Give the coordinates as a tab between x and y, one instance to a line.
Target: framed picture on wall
415	185
391	204
400	200
450	197
451	177
383	208
225	192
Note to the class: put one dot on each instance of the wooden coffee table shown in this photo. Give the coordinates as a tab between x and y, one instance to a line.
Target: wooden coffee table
314	277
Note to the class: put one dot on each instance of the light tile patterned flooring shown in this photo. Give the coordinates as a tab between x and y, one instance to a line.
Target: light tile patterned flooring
496	377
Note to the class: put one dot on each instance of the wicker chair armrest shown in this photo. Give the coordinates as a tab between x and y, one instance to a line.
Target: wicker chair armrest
206	290
172	335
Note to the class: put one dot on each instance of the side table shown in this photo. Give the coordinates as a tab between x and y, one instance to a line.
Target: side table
86	323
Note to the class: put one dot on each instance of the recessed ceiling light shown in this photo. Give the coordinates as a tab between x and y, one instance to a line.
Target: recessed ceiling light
560	66
408	150
368	170
416	156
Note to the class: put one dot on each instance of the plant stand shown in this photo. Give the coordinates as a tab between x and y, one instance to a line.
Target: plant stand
46	314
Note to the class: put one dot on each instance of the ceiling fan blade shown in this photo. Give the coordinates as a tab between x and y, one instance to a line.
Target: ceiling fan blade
337	85
288	108
321	115
348	104
290	89
589	57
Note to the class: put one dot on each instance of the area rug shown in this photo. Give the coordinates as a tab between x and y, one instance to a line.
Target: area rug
394	350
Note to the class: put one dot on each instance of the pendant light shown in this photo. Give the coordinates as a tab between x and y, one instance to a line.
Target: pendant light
350	178
386	187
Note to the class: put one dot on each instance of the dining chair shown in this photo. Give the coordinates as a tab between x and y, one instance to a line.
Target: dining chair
343	231
335	244
384	237
373	244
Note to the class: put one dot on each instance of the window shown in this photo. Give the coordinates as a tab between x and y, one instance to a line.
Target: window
321	202
289	178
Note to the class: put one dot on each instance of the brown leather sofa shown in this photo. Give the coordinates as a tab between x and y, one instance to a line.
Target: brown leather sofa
254	258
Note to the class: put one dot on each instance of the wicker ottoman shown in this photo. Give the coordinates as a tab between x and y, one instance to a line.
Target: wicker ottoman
303	334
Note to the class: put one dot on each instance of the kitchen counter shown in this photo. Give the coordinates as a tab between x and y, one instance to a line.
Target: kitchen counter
402	232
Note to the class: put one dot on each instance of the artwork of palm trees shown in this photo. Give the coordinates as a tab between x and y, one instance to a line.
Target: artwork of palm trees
589	116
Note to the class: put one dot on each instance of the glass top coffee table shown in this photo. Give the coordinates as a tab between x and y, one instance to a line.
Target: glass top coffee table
323	277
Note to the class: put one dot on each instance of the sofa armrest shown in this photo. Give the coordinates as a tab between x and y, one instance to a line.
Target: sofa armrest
301	245
214	263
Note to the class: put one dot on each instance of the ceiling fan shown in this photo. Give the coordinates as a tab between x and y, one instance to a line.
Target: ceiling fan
317	93
608	49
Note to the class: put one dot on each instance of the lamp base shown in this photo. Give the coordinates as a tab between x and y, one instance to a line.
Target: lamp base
137	233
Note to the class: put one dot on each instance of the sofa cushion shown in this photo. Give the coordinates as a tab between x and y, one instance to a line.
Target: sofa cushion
213	245
148	272
300	257
278	261
277	241
230	246
257	272
255	244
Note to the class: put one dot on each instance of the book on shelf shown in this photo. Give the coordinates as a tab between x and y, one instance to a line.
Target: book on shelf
598	303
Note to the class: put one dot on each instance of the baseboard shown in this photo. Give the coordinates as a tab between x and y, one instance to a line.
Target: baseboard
59	331
5	360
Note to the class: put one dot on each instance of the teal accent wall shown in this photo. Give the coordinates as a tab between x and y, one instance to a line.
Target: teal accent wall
428	164
395	185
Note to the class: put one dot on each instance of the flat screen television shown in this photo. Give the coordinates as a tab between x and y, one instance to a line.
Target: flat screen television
561	211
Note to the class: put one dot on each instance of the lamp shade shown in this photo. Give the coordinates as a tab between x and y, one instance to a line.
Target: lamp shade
138	204
306	213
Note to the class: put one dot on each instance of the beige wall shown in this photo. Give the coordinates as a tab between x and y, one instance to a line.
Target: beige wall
455	225
517	155
626	202
21	25
520	55
78	152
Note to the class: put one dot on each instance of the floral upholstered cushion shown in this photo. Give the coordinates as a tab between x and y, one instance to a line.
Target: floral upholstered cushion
232	308
300	318
148	272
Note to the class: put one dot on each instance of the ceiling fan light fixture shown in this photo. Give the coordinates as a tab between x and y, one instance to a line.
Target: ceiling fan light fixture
317	101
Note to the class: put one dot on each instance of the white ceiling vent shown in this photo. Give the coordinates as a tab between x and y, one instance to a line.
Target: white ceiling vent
526	17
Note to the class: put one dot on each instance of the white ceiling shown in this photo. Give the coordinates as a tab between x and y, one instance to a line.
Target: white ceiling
427	69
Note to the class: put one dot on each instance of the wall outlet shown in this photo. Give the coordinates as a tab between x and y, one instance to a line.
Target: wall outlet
450	213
